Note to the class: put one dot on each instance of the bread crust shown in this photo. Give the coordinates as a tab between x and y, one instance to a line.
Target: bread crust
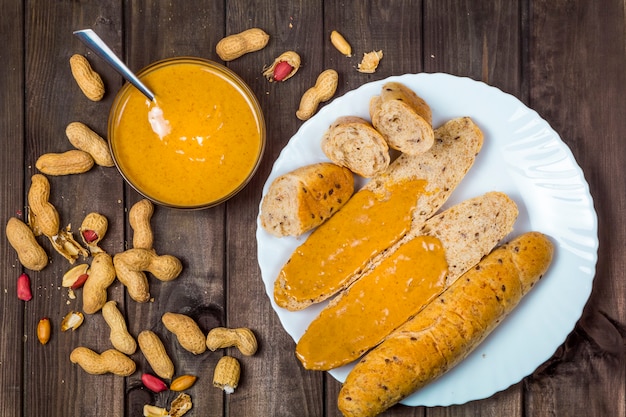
304	198
353	142
448	329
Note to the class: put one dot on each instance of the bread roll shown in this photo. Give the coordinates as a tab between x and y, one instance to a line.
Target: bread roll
303	199
377	216
448	329
353	142
403	118
405	282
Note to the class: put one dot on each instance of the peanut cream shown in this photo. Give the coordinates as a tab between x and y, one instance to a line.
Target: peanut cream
196	143
376	304
340	249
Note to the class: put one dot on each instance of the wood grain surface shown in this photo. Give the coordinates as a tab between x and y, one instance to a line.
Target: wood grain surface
566	59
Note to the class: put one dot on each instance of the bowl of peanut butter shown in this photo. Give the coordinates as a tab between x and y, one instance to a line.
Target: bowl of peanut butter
197	144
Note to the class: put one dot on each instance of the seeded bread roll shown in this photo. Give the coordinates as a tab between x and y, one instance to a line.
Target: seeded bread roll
448	329
419	269
403	118
304	198
353	142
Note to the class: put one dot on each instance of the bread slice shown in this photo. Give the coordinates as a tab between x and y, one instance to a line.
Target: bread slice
403	118
419	268
448	329
353	142
400	199
303	199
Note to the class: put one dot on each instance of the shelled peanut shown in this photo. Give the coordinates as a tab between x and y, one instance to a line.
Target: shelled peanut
85	139
29	252
187	332
66	163
88	80
121	339
239	44
109	361
154	351
131	264
92	231
324	88
283	67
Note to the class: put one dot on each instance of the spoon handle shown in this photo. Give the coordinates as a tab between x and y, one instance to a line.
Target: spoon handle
95	43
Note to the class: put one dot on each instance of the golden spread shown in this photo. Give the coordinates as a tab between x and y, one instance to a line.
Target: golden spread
196	143
379	302
339	249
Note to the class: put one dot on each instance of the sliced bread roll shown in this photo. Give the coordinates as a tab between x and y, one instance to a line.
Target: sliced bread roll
403	118
418	269
303	199
448	329
377	216
353	142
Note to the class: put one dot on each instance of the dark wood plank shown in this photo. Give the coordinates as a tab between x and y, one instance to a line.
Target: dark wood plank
273	382
12	204
576	77
52	101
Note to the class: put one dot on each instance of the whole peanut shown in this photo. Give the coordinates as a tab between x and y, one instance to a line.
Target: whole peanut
101	276
67	163
187	332
155	353
139	217
131	264
21	237
109	361
87	79
324	88
236	45
226	374
43	216
119	336
85	139
242	338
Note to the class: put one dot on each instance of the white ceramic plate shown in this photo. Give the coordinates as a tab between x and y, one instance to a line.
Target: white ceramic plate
521	156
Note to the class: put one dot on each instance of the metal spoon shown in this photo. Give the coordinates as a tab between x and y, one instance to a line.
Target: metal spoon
96	44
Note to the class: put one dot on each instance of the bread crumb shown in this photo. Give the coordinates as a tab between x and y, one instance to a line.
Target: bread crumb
370	62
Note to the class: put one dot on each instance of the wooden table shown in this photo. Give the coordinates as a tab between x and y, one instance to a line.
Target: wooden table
565	59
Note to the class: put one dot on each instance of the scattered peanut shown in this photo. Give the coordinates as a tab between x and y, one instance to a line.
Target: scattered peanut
92	231
119	336
72	275
101	276
85	139
43	217
283	67
129	267
21	237
44	329
370	62
226	374
154	411
187	332
71	162
180	405
242	338
65	244
236	45
154	352
139	217
24	292
153	383
87	79
72	320
323	90
183	382
109	361
340	43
